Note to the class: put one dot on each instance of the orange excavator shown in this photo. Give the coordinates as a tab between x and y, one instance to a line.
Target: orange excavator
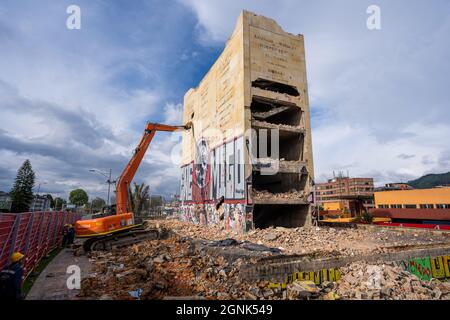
120	228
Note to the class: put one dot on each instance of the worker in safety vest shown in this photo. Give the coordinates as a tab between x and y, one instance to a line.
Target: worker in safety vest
65	234
11	278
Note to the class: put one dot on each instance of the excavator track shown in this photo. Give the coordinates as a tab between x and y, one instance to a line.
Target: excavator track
118	240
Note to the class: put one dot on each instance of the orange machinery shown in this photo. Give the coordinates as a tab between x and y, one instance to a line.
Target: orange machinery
123	220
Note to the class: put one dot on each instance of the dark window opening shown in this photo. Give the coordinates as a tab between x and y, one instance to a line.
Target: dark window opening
275	87
279	215
290	146
278	183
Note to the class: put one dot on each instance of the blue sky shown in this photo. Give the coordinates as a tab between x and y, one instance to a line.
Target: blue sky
71	100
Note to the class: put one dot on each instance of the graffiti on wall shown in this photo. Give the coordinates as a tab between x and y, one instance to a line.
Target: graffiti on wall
427	268
230	216
318	277
423	268
214	173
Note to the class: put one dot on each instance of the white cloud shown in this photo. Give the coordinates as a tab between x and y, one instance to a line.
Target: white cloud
83	94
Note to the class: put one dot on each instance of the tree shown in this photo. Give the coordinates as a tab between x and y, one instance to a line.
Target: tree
22	191
78	197
139	195
98	203
59	202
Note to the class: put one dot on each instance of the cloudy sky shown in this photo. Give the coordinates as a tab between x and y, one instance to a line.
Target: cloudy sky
72	100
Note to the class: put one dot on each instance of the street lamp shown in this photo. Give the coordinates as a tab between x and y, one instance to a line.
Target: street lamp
109	182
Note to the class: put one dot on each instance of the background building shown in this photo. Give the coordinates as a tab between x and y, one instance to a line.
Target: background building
41	203
248	161
345	194
414	206
5	202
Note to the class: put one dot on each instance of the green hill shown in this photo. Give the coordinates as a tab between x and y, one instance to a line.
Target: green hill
430	181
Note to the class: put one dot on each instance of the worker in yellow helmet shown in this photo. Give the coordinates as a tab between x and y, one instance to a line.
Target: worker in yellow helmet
11	278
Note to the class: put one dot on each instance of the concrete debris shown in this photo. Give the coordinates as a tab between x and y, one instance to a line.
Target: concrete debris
319	242
302	290
136	293
361	281
177	269
195	261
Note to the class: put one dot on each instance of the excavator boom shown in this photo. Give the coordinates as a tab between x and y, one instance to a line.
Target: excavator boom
122	202
123	220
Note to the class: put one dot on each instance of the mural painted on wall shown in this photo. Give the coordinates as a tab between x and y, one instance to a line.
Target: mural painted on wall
215	174
234	216
230	216
427	268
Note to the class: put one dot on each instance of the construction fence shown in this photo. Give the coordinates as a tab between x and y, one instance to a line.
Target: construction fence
34	234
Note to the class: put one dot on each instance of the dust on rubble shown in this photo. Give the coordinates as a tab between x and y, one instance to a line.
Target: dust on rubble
361	281
163	268
387	281
318	241
178	267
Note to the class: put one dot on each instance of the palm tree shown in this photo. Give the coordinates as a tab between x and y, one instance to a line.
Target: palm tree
139	196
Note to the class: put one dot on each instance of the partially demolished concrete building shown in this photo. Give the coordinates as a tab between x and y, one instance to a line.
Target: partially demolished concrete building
248	160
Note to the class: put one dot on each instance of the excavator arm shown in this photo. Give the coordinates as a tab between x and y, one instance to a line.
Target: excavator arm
122	197
101	229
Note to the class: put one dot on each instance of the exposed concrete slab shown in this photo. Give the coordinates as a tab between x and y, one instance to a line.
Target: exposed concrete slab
280	201
51	283
282	128
280	165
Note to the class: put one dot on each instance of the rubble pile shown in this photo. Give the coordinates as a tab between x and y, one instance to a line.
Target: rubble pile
279	161
184	265
363	281
280	126
160	269
267	195
318	241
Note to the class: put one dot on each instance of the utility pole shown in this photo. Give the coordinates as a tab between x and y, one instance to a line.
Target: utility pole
109	182
37	195
109	185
